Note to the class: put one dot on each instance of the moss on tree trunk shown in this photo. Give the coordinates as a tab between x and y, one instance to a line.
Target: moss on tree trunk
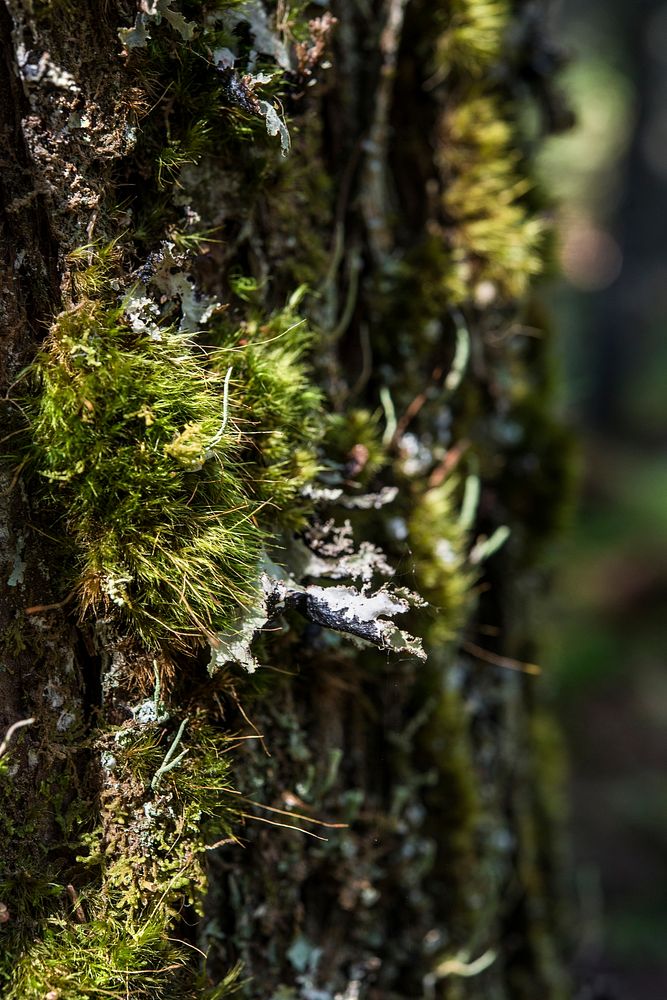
281	473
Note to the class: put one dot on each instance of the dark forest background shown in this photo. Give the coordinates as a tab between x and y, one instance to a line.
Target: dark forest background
611	174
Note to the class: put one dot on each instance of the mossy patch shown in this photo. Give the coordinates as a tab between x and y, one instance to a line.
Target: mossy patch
439	543
497	242
474	33
121	428
283	408
171	468
108	926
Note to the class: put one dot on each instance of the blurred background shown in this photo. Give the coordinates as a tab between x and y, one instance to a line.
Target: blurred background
610	174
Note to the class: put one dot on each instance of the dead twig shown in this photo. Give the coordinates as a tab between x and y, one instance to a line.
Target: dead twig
4	746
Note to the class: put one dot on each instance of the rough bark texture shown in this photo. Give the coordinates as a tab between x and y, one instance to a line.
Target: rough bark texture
276	778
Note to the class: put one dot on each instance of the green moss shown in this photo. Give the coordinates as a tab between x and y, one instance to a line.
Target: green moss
354	442
439	544
94	266
454	813
128	435
201	109
117	931
283	420
475	32
171	468
114	958
497	242
164	801
300	188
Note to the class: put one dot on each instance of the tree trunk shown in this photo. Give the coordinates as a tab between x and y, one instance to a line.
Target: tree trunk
281	472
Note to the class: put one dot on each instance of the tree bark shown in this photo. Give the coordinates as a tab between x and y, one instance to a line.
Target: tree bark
277	793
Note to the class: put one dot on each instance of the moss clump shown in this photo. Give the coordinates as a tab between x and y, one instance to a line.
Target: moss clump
473	39
196	108
165	800
172	468
128	431
166	797
300	187
454	810
497	242
111	958
354	442
283	421
439	545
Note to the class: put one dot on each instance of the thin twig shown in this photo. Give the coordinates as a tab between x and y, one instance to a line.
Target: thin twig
252	725
38	608
412	410
506	662
76	903
288	812
366	360
168	764
448	463
4	746
286	826
351	298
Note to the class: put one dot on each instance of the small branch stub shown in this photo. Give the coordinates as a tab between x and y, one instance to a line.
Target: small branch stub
4	746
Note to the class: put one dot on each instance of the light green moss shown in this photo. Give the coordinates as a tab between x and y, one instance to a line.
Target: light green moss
455	813
163	531
169	471
106	927
165	799
281	409
354	442
475	32
105	958
496	239
439	545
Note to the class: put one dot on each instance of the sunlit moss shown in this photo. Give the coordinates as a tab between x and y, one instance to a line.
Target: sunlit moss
475	32
106	925
497	241
167	537
354	441
116	958
439	547
281	406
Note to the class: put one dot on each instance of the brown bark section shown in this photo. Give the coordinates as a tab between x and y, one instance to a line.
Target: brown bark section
45	672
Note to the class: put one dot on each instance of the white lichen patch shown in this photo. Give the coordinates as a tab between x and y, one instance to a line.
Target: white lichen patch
167	273
362	614
53	696
266	40
115	588
235	645
152	12
18	567
141	312
108	761
276	126
65	721
363	564
39	68
416	457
